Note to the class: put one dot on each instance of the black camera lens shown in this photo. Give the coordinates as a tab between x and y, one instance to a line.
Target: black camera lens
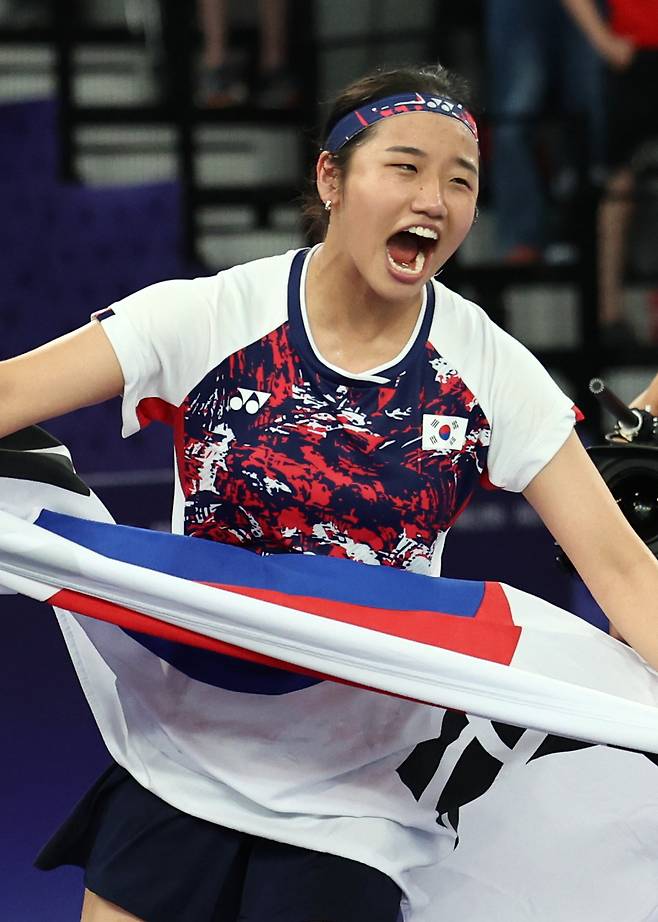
636	492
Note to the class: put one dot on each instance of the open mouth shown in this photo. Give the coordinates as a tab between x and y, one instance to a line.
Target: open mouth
408	249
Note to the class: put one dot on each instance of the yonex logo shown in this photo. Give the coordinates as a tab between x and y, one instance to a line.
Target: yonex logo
249	401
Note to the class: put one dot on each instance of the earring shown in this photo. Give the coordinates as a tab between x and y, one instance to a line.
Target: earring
476	215
327	205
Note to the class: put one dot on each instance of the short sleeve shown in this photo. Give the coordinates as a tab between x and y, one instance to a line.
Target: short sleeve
531	417
169	336
162	338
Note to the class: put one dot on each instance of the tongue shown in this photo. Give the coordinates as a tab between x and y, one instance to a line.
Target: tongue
403	247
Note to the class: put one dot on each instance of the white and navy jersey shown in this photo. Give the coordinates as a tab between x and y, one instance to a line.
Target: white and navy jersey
278	451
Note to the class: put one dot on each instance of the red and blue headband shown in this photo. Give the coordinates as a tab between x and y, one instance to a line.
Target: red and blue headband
357	121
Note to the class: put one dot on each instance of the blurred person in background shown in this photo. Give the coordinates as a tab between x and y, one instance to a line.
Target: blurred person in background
533	50
224	82
628	42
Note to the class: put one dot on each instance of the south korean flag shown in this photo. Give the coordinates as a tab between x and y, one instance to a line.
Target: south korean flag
443	433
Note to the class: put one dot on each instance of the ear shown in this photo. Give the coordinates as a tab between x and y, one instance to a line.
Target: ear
327	177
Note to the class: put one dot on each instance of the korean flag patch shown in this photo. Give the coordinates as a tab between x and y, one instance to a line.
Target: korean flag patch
443	433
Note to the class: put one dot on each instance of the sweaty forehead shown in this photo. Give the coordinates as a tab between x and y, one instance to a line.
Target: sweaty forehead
436	135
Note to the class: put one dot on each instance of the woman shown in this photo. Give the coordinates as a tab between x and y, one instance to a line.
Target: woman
333	401
625	35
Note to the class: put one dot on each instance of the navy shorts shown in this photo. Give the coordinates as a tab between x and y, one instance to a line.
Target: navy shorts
165	866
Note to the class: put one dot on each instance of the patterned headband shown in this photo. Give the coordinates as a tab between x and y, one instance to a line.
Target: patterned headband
357	121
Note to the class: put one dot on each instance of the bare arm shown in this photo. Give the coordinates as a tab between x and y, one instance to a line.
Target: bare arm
620	572
76	370
617	50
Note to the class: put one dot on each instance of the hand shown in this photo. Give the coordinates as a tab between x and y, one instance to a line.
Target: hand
617	51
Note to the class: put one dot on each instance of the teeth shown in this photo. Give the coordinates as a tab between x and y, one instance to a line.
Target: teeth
423	232
414	269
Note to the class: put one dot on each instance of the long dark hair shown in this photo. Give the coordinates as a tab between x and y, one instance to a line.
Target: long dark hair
432	80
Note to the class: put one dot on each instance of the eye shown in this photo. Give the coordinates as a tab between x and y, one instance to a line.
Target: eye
462	181
406	167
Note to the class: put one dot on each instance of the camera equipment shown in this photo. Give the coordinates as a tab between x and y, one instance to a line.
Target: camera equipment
631	424
629	464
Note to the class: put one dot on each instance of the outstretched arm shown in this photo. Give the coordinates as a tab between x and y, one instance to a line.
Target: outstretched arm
619	570
74	371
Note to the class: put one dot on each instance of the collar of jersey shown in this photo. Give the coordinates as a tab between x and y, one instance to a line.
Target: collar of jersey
303	341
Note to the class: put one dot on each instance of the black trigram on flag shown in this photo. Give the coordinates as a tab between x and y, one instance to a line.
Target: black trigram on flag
464	761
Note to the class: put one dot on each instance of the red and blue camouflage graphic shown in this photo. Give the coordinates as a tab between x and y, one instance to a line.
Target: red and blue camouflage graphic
277	456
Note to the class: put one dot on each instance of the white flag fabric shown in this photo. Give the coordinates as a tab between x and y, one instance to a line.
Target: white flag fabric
528	814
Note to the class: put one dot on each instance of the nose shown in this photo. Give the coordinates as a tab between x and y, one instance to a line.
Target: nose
429	200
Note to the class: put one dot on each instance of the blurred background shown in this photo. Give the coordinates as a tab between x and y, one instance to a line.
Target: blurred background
152	139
